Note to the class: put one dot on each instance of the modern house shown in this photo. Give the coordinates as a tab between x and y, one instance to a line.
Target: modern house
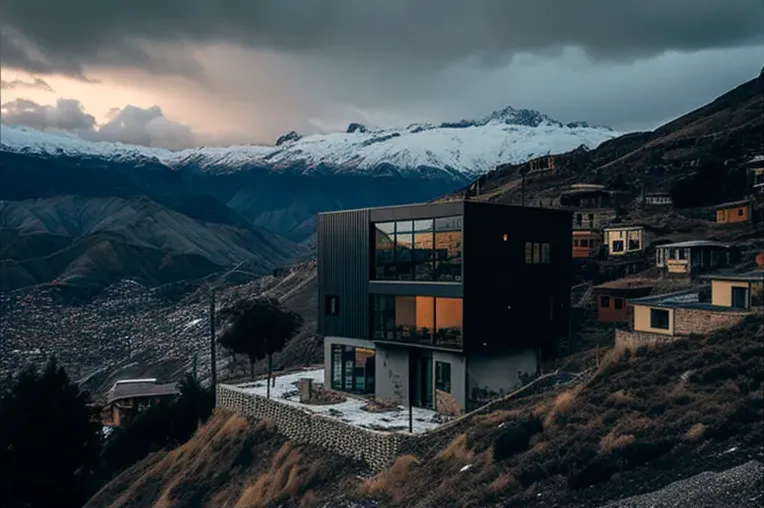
623	240
586	243
676	315
128	397
612	298
733	212
689	258
658	199
439	302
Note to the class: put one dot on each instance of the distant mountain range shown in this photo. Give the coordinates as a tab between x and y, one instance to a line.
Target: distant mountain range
282	187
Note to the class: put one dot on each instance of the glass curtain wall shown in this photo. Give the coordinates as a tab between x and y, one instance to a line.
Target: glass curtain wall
418	319
426	250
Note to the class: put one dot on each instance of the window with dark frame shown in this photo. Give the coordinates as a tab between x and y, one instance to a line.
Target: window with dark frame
443	376
659	319
605	302
528	253
740	212
618	303
332	303
536	253
546	256
617	245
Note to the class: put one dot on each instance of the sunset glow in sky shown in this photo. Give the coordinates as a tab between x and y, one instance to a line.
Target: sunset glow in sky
234	71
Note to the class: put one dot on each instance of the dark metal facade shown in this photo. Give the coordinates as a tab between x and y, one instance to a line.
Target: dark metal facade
343	253
507	303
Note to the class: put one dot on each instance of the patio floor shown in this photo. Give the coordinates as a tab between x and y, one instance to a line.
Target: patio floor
349	411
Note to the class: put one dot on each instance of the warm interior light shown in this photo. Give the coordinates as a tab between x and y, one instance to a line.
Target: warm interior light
506	237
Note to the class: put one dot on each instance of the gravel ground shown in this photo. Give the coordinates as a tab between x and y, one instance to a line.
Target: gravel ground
739	487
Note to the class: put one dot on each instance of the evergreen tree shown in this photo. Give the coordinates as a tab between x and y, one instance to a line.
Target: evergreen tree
50	440
259	329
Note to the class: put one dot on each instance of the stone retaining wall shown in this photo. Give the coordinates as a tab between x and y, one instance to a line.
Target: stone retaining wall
636	339
376	449
701	322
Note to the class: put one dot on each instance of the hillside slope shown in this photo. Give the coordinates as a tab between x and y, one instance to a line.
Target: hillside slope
644	420
721	134
101	240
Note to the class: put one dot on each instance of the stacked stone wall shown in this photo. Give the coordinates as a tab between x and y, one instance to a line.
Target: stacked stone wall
376	449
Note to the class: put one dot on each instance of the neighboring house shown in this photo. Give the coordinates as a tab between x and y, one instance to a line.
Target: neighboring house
736	211
586	243
443	304
128	397
664	317
612	298
689	258
622	240
658	199
756	170
592	205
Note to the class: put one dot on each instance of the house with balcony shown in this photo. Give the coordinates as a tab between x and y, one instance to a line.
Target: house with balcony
592	207
691	257
658	199
444	303
732	297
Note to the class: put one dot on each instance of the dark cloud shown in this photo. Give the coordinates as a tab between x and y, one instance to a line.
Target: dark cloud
131	124
67	114
20	84
418	32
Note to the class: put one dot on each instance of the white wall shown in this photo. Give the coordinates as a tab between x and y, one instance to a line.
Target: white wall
458	374
392	374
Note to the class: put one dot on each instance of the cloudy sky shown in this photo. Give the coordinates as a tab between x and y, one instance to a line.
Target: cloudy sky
186	72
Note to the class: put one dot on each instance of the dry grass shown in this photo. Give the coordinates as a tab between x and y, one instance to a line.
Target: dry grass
695	432
613	441
287	478
562	405
457	451
390	482
498	417
620	397
502	483
613	357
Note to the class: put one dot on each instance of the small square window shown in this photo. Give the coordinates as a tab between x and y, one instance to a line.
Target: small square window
740	212
618	303
332	304
605	302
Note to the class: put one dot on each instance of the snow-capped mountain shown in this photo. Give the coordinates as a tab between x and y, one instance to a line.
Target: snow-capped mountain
459	149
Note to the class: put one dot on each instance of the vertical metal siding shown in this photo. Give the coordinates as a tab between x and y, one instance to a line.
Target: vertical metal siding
343	249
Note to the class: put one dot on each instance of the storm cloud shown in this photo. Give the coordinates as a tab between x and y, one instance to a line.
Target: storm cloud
131	124
71	34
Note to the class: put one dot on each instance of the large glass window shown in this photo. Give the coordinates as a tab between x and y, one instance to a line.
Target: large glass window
418	319
659	318
352	369
384	250
427	249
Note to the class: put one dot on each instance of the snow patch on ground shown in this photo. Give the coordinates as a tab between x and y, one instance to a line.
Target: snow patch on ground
349	411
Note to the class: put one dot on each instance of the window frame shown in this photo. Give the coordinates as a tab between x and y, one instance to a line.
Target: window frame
657	324
618	303
605	301
328	301
443	376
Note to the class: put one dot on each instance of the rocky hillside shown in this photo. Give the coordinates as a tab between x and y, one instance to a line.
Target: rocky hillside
698	154
96	241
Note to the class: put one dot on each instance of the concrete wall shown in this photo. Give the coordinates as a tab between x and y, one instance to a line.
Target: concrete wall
458	375
642	320
392	373
345	341
376	449
499	373
721	291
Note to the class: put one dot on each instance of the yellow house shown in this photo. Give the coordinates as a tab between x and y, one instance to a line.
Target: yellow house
681	314
624	240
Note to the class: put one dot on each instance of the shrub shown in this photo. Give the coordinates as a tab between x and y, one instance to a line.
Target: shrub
516	438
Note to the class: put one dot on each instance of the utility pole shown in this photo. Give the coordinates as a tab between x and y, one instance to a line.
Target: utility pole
213	359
